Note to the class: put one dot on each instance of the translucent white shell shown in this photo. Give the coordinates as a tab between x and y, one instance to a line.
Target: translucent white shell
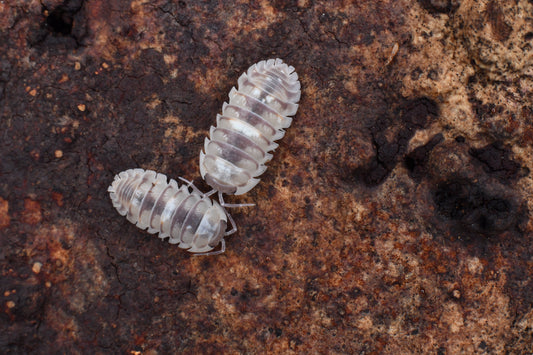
237	148
189	219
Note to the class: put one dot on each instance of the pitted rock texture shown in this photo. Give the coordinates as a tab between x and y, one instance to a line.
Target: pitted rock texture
394	218
497	36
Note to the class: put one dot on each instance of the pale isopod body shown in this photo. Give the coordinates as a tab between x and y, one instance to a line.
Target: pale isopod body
237	148
190	219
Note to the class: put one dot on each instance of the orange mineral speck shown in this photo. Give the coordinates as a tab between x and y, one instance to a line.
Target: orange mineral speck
36	268
64	78
58	198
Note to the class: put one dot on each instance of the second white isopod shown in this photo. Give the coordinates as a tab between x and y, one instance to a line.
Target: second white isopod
188	218
237	148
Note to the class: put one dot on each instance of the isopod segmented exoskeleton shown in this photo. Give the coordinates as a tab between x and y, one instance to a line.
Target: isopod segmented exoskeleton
237	148
189	218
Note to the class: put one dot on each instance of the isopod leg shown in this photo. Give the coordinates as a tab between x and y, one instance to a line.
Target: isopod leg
191	184
232	205
233	225
216	252
207	194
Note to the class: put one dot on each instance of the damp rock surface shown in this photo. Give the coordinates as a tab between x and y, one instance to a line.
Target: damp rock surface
394	216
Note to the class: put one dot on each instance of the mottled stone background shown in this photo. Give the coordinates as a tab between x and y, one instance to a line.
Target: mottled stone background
393	219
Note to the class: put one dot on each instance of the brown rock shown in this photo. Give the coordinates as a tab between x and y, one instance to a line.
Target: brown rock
394	217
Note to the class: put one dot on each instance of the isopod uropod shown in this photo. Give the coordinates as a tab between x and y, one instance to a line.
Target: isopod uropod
189	218
237	148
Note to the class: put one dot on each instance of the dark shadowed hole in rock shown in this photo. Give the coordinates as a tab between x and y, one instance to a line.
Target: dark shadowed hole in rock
496	160
416	161
474	207
60	21
439	6
409	116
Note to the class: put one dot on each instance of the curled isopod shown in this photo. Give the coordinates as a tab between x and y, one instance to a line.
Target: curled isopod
237	148
189	218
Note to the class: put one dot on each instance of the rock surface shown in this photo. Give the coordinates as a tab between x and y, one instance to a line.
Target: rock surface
394	217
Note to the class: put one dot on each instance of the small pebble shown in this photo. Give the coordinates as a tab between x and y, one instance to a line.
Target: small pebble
37	267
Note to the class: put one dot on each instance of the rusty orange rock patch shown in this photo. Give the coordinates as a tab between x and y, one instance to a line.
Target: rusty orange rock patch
4	215
32	212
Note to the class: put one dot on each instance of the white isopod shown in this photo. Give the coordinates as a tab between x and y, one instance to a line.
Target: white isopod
189	218
237	148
